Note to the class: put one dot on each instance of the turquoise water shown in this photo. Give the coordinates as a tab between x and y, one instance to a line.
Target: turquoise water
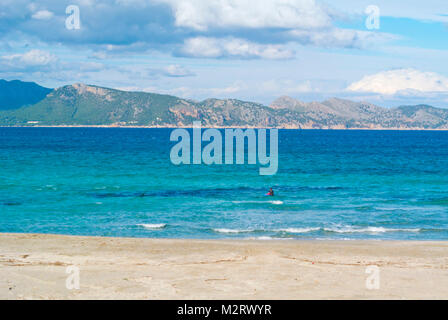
120	182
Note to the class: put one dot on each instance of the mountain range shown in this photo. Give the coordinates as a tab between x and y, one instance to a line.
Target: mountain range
28	104
14	94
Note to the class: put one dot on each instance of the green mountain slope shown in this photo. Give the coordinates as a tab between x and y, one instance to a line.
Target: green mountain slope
90	105
79	104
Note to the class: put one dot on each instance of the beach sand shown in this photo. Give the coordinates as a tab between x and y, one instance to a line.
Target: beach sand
34	266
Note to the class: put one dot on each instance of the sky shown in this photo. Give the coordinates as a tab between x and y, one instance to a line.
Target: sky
386	52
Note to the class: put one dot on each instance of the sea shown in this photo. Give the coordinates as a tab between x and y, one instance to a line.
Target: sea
120	182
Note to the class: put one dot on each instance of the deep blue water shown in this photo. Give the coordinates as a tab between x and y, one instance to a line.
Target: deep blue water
121	182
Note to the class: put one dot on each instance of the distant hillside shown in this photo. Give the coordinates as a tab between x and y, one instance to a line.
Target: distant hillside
15	94
339	114
79	104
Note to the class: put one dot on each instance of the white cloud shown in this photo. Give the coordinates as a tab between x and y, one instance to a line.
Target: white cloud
428	10
203	47
203	14
172	71
344	38
31	58
176	70
409	82
303	21
43	15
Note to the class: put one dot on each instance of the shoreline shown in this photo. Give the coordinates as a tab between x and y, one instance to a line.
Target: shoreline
223	127
33	266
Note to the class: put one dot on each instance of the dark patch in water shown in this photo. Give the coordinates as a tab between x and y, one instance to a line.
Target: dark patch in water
205	193
11	203
437	201
117	195
180	193
364	208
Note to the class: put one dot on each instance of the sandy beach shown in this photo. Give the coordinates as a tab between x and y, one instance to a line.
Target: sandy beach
33	266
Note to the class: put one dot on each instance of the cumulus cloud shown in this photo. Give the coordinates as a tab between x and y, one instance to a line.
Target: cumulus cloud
176	70
173	71
428	10
204	47
265	29
42	15
32	58
205	14
144	73
304	21
343	38
403	82
38	63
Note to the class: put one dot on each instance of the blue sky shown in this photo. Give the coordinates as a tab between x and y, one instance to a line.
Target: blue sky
244	49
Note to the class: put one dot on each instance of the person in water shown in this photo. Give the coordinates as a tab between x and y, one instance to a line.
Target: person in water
271	192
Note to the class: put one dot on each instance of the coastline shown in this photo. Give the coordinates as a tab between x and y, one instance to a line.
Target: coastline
232	127
225	127
33	266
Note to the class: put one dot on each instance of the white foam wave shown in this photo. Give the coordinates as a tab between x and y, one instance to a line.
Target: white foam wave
297	230
152	226
341	229
224	230
267	238
277	202
349	229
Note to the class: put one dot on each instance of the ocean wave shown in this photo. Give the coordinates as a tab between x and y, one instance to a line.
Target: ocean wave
152	226
266	238
276	202
344	229
297	230
224	230
350	229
